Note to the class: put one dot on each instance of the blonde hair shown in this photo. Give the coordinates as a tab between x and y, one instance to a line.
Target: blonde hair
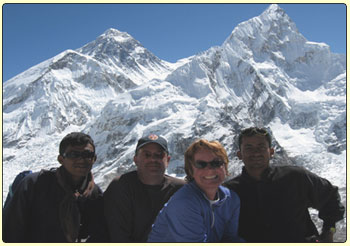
213	146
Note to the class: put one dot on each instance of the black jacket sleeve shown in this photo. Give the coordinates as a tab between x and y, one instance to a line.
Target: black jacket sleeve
325	198
117	208
93	220
16	215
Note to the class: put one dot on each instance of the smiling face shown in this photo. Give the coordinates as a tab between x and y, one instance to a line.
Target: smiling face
255	154
208	178
78	167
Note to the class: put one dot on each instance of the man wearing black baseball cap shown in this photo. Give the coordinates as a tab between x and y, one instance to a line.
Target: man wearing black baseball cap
153	138
133	201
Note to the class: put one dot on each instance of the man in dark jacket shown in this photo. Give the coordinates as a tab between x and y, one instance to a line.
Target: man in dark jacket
275	200
133	201
59	205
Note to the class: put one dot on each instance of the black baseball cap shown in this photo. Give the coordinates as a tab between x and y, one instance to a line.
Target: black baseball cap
152	138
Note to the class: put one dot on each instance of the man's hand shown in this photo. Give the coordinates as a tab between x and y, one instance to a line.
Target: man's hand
327	236
89	188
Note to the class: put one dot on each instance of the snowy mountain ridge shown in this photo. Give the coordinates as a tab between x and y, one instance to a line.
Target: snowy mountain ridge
123	53
265	73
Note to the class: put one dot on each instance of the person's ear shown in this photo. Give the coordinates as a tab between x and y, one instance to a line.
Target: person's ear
135	160
60	159
239	154
94	159
272	151
167	161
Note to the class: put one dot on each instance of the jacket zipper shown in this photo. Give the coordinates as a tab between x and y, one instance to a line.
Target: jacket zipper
213	216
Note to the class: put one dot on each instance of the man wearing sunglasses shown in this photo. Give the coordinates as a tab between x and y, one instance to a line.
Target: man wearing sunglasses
133	200
203	210
59	205
275	199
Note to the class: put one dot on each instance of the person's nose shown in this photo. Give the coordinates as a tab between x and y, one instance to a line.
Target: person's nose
257	150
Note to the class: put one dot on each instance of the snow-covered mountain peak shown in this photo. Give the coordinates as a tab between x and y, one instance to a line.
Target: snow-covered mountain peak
274	11
118	35
273	29
272	39
127	55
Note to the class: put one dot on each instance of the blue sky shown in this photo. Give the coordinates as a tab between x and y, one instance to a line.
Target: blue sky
33	33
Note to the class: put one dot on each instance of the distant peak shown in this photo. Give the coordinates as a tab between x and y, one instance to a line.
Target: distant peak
117	35
112	31
273	26
274	8
274	12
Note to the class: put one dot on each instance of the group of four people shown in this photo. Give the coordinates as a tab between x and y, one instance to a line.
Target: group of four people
263	204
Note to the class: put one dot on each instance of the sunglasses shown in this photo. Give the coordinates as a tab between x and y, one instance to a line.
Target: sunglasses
78	154
149	155
212	164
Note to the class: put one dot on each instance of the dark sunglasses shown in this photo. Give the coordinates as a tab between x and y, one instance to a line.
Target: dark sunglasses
78	154
212	164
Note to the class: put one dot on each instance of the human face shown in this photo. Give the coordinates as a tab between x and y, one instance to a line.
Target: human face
78	167
208	178
255	154
151	161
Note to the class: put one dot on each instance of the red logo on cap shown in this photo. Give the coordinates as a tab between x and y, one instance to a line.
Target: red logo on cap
153	137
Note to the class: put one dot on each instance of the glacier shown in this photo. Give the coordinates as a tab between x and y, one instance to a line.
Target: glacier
265	74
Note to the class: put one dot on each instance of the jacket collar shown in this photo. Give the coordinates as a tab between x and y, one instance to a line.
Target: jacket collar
86	189
222	193
265	176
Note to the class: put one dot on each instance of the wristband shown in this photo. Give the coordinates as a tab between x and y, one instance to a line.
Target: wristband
332	229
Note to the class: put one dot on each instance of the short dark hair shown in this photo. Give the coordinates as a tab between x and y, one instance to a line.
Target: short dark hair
74	139
252	131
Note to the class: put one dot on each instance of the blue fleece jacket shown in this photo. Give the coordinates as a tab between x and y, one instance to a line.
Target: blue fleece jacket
190	217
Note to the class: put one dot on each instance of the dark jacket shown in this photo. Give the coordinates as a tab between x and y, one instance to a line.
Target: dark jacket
42	210
131	206
275	209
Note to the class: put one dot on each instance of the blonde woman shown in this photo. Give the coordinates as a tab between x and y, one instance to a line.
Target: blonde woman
202	210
